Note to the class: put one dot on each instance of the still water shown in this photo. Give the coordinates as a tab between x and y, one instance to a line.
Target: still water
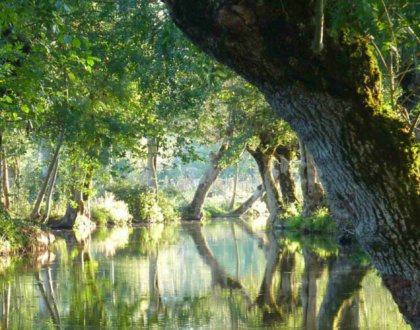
221	275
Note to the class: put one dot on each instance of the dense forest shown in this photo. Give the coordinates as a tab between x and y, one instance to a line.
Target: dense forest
150	117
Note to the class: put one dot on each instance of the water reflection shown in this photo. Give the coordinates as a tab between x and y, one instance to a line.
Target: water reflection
219	275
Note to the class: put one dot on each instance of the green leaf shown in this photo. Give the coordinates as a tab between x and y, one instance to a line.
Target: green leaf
90	62
72	77
58	5
67	39
76	43
25	108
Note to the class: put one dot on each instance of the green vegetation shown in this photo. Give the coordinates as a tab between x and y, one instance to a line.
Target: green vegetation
318	222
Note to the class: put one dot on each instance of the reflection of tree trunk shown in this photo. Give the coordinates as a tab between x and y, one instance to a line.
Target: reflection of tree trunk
265	297
218	274
194	211
49	300
152	150
248	204
344	281
313	268
235	187
35	212
287	184
155	300
263	157
248	229
50	193
349	316
312	191
6	307
287	285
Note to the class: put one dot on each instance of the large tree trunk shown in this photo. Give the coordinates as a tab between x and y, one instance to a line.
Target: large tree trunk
312	191
152	150
194	211
248	204
265	166
283	156
49	193
366	160
35	212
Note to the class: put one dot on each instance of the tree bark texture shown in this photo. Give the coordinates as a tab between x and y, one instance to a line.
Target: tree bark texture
312	191
367	162
283	156
194	211
248	204
264	159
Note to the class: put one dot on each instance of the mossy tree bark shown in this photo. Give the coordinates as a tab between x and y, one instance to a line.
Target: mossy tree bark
283	156
194	211
312	191
248	204
263	156
367	162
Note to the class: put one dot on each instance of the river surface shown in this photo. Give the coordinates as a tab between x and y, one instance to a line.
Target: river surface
220	275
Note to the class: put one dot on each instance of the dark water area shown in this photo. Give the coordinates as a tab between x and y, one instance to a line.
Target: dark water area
220	275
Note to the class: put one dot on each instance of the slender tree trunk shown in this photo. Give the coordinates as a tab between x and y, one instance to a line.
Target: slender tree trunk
50	191
312	191
235	187
152	150
6	187
1	169
194	211
367	161
264	162
287	184
248	204
35	212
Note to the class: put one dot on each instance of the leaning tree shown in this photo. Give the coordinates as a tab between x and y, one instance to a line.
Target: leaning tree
325	82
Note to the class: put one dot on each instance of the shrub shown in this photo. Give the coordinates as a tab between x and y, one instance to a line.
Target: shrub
320	221
108	210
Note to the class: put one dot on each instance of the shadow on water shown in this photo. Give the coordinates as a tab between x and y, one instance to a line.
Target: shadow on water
221	275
